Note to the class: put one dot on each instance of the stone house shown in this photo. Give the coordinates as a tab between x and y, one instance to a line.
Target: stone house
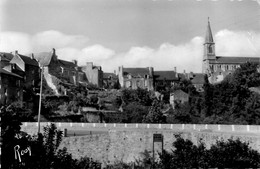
109	80
5	59
165	78
178	96
56	71
94	74
28	68
197	79
136	78
11	87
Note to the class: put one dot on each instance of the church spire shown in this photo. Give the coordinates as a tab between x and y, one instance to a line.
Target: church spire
209	37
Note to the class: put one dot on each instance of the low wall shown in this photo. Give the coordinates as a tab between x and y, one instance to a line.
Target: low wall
128	146
127	142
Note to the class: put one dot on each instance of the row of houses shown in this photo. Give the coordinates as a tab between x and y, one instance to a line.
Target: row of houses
21	75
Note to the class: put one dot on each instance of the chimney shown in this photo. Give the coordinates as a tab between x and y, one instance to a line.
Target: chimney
151	71
175	70
89	65
185	75
53	51
120	71
32	56
16	52
75	62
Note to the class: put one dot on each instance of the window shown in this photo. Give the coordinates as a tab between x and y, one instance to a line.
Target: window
215	68
210	49
138	83
18	83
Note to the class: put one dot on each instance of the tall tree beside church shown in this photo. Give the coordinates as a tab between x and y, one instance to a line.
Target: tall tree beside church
208	96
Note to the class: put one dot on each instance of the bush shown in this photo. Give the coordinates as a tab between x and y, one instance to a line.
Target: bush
229	154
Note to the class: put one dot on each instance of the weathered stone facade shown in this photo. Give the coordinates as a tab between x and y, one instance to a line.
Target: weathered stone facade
127	142
94	74
136	78
11	87
29	70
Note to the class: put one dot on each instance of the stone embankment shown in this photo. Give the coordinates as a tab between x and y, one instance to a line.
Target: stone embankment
127	142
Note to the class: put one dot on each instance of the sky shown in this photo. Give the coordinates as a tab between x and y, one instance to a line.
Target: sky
134	33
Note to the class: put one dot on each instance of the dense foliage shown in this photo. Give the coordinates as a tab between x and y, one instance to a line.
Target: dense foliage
223	154
23	151
228	102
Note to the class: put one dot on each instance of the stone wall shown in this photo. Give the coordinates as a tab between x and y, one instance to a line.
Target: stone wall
128	146
127	142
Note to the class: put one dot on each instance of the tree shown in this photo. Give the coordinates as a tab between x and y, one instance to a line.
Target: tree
135	112
223	154
155	114
10	127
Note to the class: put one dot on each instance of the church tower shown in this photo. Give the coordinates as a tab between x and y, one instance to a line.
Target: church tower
209	49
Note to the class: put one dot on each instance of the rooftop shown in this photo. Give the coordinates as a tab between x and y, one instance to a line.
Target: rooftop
3	71
28	60
136	72
44	58
234	60
198	78
166	75
107	75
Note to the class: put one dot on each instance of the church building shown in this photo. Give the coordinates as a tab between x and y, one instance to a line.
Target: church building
218	67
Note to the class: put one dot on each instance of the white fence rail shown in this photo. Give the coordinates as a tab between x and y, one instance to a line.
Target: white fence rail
121	126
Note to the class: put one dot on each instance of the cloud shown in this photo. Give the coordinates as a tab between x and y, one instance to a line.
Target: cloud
11	41
42	41
240	43
186	56
55	39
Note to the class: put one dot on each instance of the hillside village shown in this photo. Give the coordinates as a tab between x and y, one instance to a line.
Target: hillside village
86	93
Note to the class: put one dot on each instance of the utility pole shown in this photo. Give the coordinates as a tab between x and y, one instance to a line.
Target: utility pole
40	101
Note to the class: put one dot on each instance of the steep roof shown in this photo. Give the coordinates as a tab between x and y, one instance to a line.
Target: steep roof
179	93
28	60
3	71
44	58
234	60
136	72
67	64
107	75
165	75
209	37
198	78
6	56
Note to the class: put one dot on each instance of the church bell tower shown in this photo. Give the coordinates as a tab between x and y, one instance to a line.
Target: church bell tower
209	49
